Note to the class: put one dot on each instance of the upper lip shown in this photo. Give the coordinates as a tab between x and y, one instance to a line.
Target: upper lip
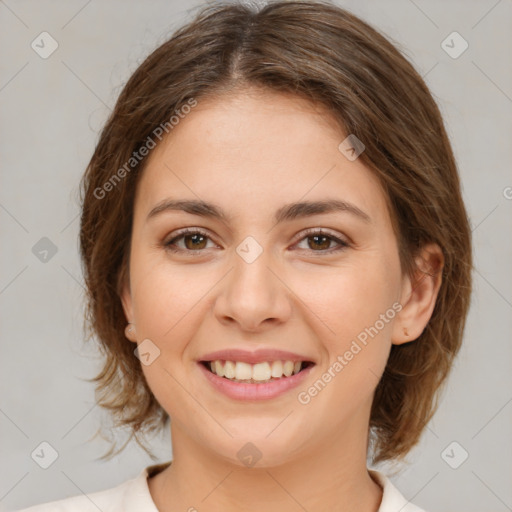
256	356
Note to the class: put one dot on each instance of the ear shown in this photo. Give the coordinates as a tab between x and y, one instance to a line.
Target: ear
419	294
126	301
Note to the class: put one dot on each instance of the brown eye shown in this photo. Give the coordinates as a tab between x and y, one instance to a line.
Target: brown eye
320	242
193	241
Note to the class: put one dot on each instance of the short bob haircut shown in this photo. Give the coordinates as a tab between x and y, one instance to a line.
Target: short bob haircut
320	52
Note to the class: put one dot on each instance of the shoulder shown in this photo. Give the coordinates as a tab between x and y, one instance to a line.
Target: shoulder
392	498
130	496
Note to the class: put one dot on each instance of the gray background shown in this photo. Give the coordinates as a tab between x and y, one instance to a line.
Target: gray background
51	112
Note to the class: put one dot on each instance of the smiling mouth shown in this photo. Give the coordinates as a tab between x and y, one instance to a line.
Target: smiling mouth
267	371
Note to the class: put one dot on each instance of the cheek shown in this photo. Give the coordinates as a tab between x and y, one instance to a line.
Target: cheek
164	299
346	300
353	308
169	305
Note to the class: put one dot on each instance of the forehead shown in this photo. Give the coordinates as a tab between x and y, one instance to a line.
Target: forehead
253	151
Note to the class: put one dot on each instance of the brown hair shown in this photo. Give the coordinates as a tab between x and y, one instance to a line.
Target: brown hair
321	52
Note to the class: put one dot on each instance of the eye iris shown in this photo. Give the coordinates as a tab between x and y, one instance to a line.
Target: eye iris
195	245
324	245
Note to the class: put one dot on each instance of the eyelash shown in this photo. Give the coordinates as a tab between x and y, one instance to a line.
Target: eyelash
309	233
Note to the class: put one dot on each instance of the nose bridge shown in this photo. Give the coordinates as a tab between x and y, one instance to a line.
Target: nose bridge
252	293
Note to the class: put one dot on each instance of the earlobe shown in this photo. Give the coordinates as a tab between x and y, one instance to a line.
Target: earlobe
130	333
419	295
126	301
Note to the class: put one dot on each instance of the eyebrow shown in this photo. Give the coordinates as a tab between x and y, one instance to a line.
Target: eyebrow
287	212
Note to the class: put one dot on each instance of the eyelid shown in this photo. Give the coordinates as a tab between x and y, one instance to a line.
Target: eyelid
188	230
322	231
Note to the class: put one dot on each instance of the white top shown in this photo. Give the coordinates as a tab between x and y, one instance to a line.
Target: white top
134	496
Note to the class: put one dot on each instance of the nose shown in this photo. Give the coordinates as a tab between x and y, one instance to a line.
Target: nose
253	295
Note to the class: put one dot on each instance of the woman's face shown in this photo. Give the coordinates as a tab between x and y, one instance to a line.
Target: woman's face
261	278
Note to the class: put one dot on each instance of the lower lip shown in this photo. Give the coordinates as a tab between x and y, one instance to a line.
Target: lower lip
263	391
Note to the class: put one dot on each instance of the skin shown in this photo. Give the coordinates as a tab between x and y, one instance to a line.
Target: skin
251	153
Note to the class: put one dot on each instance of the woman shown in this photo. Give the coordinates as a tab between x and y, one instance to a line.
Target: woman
278	263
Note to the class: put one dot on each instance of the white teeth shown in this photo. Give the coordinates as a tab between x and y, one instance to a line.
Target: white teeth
259	372
219	370
288	368
243	371
229	370
277	369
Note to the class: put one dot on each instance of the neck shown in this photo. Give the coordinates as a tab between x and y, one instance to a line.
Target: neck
332	476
